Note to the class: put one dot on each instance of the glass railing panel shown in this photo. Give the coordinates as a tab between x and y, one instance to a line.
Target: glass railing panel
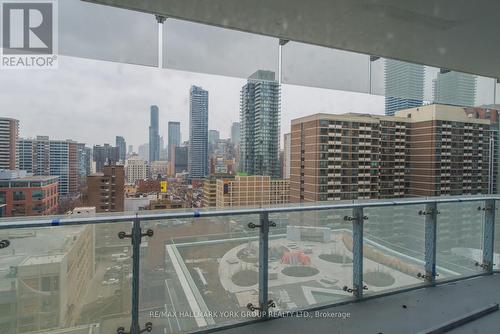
459	239
57	278
316	66
201	48
199	273
93	31
310	259
393	247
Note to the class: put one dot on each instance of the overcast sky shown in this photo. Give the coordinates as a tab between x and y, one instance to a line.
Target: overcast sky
92	101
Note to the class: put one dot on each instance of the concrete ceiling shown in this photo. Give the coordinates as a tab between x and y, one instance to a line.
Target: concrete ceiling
460	35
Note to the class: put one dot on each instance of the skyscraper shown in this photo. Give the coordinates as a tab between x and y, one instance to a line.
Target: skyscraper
455	88
260	125
9	133
154	137
198	133
122	148
404	85
174	137
213	140
235	133
104	155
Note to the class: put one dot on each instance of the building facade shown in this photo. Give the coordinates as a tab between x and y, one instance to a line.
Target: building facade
427	151
287	142
105	191
455	88
154	134
260	125
62	158
198	133
9	134
26	195
135	169
235	133
174	137
404	85
251	191
105	155
121	145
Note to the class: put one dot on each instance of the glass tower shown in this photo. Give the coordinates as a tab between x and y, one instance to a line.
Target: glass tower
154	136
455	88
404	85
198	133
260	125
174	137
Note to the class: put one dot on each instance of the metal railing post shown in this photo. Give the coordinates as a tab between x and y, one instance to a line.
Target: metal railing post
430	241
136	238
357	250
488	235
136	249
263	264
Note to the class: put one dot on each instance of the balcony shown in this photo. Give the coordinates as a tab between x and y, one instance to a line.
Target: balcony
198	270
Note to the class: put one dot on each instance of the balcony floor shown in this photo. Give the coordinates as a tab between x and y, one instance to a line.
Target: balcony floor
425	308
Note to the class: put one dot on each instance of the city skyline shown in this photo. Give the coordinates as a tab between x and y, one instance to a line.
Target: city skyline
116	106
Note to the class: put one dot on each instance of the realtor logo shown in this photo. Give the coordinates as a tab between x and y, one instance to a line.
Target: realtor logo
29	37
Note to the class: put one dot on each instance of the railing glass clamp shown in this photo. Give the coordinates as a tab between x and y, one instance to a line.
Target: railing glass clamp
351	290
349	218
253	225
148	327
252	307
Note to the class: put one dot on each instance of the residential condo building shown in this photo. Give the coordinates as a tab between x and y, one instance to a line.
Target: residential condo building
427	151
9	133
260	125
198	133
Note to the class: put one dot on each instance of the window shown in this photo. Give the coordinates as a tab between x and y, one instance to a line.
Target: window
19	196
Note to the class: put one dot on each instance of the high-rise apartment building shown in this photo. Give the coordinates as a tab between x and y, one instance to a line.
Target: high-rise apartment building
491	113
251	191
154	134
174	137
135	169
455	88
105	191
105	155
260	125
64	158
198	133
287	142
121	145
235	133
404	85
427	151
9	133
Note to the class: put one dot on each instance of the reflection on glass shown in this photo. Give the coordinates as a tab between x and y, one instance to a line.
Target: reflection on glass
310	259
65	277
201	48
316	66
106	33
394	247
459	238
199	273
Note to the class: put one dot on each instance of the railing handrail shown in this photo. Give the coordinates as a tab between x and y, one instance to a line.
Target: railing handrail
194	213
